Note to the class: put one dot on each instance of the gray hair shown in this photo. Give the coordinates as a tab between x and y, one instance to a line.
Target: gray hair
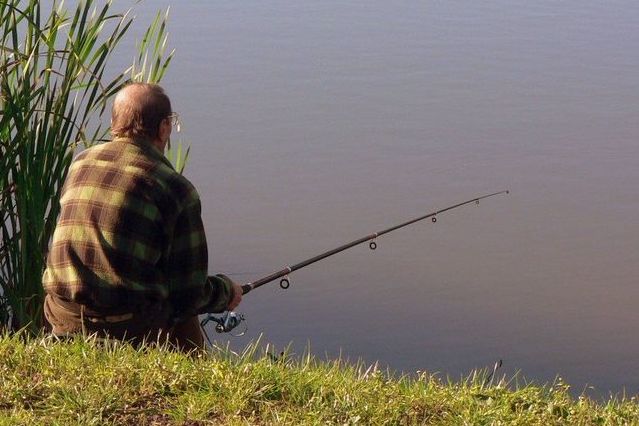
138	110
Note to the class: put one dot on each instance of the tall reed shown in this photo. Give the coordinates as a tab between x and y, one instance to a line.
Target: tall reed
53	92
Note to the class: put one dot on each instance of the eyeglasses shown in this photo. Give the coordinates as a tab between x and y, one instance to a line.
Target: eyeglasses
175	121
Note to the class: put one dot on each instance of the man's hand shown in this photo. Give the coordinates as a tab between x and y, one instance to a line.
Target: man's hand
236	298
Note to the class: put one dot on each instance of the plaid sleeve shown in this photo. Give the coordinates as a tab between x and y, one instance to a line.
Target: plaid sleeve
224	288
191	290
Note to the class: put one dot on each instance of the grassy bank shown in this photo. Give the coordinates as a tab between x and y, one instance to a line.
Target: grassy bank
82	382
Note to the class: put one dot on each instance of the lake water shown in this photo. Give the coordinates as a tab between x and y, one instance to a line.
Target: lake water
315	123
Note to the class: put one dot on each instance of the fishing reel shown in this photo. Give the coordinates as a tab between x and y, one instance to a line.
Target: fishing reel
226	323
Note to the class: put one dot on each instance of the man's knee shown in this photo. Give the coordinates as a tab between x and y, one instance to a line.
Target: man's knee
187	335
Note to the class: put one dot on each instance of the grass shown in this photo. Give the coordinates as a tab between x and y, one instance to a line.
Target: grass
89	382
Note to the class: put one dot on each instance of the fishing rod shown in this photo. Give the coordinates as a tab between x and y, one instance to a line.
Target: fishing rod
229	320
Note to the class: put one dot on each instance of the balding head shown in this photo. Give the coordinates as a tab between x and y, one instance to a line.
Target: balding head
138	110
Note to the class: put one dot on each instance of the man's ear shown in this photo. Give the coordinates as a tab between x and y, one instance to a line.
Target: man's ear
164	132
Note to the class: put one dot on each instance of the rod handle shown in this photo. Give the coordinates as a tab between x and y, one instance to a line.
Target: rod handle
246	288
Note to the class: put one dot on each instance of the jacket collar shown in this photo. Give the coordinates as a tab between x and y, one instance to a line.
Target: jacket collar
145	146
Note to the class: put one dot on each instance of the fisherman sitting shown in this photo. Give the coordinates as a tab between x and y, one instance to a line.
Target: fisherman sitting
128	258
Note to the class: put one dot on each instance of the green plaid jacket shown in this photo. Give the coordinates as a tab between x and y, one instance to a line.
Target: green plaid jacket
130	233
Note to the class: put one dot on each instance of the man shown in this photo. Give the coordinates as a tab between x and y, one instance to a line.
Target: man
128	258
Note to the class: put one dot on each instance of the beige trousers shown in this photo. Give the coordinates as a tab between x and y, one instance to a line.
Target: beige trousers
148	327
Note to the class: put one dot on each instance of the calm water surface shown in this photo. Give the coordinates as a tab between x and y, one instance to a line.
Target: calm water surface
314	123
